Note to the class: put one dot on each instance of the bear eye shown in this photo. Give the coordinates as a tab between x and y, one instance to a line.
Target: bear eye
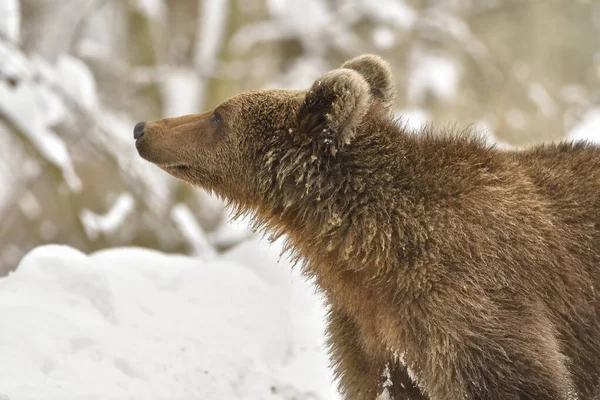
215	118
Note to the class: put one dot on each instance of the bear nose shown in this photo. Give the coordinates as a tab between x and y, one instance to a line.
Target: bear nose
138	130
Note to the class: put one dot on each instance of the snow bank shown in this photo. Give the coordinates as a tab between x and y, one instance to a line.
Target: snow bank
138	324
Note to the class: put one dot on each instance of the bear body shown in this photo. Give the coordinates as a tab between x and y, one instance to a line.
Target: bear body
451	269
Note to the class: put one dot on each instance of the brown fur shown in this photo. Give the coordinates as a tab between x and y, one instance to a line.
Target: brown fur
452	270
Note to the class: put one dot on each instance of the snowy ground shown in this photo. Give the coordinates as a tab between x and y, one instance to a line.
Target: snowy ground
138	324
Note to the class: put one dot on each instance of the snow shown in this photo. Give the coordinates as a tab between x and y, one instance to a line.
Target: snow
301	74
384	395
10	155
383	37
320	24
211	31
77	80
516	119
393	12
411	374
540	96
485	129
387	384
588	128
114	218
181	92
48	231
192	231
15	64
30	206
129	323
10	19
153	9
34	104
21	106
315	13
432	73
51	110
414	119
233	232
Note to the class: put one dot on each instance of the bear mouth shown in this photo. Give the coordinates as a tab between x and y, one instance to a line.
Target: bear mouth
167	166
176	167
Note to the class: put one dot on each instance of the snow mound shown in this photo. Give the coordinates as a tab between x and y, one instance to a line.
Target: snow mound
132	323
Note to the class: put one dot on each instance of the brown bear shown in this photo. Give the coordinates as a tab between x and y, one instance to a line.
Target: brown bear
451	269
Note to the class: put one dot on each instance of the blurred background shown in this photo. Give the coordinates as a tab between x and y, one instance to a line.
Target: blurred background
75	76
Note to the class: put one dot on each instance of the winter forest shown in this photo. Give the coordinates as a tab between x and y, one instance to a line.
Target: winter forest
158	294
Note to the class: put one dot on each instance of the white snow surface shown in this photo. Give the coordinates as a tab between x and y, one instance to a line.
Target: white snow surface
130	323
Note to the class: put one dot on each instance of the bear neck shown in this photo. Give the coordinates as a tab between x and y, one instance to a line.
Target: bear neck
369	209
335	208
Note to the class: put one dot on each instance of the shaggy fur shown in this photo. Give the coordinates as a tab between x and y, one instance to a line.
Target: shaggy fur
452	270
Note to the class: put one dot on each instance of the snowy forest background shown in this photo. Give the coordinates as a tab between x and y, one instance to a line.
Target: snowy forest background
76	75
106	319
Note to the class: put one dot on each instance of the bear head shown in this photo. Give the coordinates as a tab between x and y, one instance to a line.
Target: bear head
260	143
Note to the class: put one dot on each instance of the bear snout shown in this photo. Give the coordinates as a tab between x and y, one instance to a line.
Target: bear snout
138	130
165	142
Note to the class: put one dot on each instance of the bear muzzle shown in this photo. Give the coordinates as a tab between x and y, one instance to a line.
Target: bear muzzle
171	142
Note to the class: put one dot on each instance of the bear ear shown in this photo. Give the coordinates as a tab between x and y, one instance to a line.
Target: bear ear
333	108
378	74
